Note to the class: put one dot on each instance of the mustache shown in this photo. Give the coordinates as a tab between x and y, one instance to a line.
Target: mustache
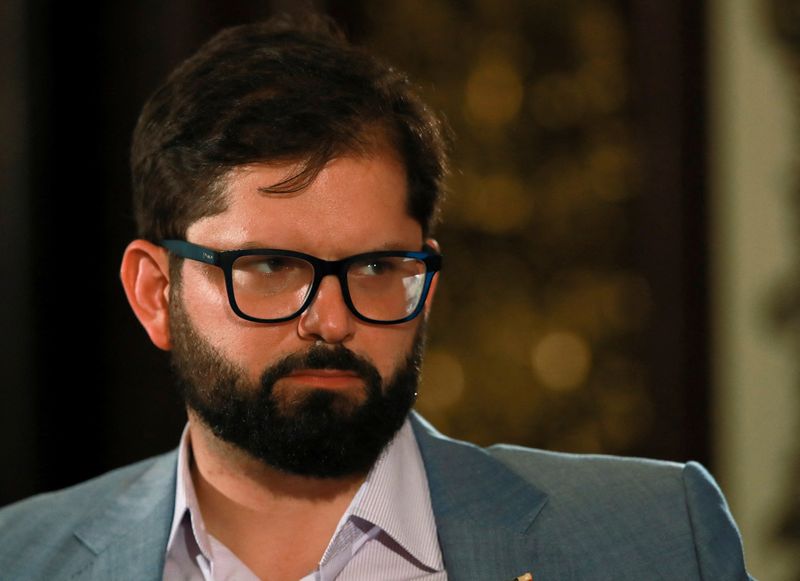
319	357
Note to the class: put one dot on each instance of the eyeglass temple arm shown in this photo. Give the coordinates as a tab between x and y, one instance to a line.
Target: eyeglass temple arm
191	251
434	261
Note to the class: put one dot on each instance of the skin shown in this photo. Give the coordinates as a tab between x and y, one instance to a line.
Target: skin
356	204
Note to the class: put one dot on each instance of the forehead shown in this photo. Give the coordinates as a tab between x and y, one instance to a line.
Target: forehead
356	203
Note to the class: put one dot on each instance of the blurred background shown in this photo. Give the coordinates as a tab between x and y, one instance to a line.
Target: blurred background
625	180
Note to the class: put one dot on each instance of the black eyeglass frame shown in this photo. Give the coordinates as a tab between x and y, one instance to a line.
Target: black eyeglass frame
224	259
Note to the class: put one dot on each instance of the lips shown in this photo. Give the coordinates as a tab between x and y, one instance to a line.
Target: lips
325	378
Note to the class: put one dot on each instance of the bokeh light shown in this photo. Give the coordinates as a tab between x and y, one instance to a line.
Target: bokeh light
539	300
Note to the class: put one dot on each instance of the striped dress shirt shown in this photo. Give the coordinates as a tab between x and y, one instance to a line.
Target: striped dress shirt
388	532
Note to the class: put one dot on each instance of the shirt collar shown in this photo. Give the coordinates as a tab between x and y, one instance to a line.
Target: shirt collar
394	497
186	505
397	499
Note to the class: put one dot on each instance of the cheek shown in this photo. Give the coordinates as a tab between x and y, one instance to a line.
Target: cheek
206	302
386	347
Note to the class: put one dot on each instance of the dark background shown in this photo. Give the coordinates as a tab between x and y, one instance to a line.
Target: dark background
83	390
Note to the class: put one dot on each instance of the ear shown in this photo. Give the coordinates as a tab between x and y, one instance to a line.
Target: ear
429	299
145	278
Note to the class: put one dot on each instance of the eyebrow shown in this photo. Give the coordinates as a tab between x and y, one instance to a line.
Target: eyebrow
271	192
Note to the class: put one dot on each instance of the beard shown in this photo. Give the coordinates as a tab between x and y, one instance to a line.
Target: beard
309	432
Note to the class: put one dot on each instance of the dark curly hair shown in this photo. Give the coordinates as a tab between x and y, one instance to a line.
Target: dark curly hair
281	90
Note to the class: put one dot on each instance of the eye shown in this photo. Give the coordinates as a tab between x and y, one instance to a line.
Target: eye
266	265
374	267
270	265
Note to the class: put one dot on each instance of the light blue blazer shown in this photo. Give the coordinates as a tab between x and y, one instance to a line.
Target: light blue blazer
500	512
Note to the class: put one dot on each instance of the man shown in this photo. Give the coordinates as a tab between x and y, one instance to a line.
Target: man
285	187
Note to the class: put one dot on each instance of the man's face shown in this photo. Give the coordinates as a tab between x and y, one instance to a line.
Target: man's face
262	386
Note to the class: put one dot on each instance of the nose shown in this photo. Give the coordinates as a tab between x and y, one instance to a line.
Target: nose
327	318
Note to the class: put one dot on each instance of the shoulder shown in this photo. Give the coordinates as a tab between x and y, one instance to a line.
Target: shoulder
635	500
602	478
613	486
76	501
554	473
44	529
659	518
572	473
572	484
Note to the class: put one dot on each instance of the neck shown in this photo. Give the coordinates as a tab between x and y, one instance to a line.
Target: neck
250	483
273	521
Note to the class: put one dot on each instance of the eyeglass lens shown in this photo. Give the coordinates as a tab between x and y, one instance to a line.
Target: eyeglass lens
385	288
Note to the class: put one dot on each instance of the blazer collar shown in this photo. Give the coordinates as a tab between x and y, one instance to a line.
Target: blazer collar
484	511
130	533
467	484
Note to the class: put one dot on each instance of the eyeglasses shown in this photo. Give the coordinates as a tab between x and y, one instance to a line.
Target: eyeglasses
273	286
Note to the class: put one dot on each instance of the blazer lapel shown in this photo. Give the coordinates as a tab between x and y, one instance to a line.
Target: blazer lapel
484	511
127	538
